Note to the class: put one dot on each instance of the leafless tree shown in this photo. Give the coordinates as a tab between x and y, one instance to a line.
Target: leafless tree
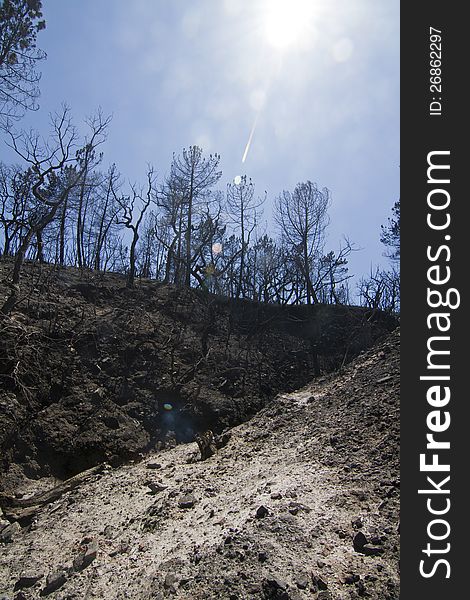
332	273
45	159
381	290
20	20
243	214
302	216
15	187
133	209
191	178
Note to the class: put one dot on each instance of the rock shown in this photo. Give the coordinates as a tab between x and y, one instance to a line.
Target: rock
319	583
54	581
262	556
222	440
350	579
295	507
3	523
357	523
377	540
275	589
153	465
187	501
359	541
9	532
254	588
170	582
301	581
324	596
27	579
110	532
155	487
361	588
276	496
261	512
86	556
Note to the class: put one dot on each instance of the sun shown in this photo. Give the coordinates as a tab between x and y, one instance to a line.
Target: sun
287	21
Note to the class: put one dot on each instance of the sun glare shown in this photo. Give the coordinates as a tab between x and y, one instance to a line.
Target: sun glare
287	21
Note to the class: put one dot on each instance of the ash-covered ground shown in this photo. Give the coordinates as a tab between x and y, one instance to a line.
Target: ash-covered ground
301	502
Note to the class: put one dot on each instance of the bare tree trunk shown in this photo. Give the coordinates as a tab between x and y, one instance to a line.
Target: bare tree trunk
15	278
188	231
131	276
40	246
80	221
62	234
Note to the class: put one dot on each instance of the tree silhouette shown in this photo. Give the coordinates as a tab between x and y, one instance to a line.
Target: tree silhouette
390	234
191	179
20	21
302	218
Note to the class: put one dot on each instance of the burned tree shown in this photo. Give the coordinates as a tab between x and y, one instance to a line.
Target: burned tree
135	204
46	160
302	218
191	179
243	215
20	21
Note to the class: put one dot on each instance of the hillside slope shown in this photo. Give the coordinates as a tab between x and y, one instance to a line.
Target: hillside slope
91	370
302	502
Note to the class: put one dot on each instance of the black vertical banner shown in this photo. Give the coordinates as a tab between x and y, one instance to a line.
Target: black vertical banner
435	256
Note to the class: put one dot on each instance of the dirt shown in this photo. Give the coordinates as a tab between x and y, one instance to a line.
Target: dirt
302	502
92	371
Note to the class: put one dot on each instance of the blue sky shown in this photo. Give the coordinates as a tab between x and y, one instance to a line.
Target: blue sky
178	72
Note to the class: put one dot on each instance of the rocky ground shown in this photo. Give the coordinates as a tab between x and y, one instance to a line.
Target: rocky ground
301	502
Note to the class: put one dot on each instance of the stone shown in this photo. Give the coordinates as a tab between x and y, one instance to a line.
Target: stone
27	579
361	588
359	541
9	532
170	582
187	501
154	465
54	581
86	556
222	440
261	512
350	579
319	583
155	487
275	589
110	532
301	581
357	523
